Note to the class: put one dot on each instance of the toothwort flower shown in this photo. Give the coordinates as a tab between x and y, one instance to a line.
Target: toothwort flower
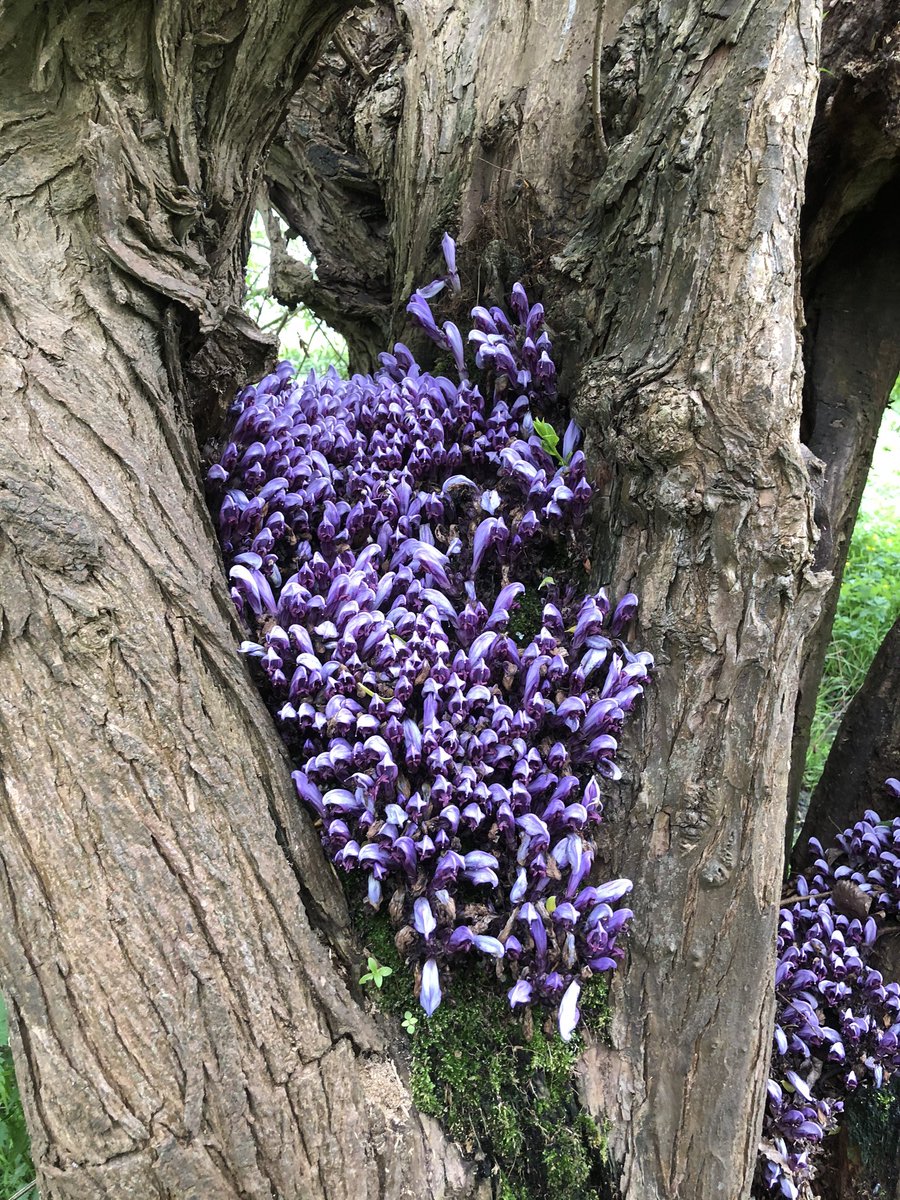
380	532
837	1022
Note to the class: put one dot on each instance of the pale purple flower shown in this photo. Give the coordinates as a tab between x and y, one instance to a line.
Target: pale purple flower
569	1013
430	994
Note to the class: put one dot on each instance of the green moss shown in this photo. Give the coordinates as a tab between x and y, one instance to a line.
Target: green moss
873	1128
503	1096
396	994
525	621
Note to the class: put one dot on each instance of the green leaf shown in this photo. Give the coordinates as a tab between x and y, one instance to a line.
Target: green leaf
546	433
376	973
4	1024
410	1022
549	437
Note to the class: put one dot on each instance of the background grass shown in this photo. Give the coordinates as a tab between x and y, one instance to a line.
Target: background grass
15	1162
870	594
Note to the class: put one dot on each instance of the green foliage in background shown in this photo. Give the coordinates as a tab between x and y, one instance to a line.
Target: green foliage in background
873	1127
16	1170
303	339
870	594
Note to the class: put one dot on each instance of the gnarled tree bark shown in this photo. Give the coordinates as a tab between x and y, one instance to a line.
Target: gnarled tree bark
642	167
173	947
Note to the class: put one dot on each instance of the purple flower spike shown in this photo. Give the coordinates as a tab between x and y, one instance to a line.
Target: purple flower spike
457	349
420	310
424	918
837	1020
448	246
609	893
520	993
489	945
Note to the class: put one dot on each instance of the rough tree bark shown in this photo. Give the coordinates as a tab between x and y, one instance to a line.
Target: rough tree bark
665	251
517	185
173	948
475	116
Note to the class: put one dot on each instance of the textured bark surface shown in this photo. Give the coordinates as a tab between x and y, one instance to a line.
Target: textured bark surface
692	402
666	256
470	117
378	139
320	182
181	1025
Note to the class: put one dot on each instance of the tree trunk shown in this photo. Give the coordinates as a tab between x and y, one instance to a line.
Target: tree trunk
851	265
173	946
865	752
475	117
692	401
181	1025
657	214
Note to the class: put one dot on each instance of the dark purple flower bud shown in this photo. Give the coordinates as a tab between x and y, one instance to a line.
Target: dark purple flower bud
519	302
448	246
455	344
420	310
447	868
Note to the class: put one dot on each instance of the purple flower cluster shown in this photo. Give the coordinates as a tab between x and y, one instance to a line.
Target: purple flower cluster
379	533
837	1021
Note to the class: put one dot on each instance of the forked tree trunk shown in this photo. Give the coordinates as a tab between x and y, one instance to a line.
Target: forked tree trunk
658	214
183	1027
850	252
173	947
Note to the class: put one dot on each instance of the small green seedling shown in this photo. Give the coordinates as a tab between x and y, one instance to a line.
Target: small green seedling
410	1022
550	439
376	973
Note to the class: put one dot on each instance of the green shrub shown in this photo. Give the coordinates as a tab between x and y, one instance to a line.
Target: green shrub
870	597
15	1161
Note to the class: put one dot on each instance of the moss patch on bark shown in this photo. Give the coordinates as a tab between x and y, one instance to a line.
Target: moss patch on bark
504	1090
